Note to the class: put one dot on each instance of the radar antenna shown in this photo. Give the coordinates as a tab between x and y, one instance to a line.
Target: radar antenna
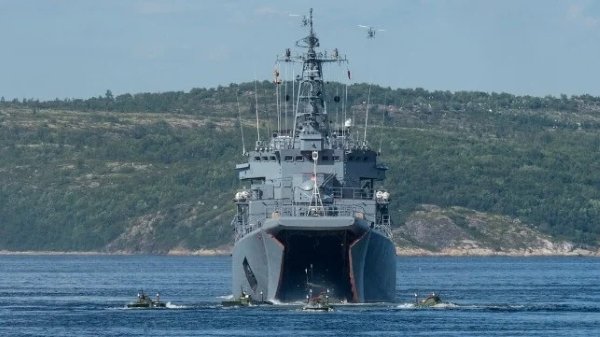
367	114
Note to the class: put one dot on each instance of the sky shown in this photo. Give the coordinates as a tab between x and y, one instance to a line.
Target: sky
81	48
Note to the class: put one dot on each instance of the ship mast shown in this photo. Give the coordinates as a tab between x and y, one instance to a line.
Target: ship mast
310	113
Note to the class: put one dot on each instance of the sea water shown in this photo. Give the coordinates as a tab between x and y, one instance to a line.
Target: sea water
66	295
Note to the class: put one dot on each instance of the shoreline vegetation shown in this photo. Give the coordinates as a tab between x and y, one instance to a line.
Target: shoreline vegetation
404	252
470	173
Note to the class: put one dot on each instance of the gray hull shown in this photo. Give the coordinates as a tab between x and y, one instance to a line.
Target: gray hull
286	256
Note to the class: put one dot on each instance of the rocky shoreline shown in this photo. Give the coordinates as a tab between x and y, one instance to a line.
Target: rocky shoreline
457	252
178	252
449	252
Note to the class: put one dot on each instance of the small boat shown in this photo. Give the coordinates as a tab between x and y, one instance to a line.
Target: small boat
144	301
318	303
429	301
245	300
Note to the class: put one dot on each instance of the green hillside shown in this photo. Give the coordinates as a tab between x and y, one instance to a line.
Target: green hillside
153	172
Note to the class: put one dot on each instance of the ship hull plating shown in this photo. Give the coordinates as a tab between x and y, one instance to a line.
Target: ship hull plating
285	257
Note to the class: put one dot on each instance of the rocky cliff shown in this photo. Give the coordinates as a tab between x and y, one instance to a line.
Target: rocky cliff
432	230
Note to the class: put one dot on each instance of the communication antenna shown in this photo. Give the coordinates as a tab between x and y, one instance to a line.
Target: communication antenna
337	108
256	110
240	121
367	114
296	111
285	98
385	107
293	95
266	112
345	102
277	98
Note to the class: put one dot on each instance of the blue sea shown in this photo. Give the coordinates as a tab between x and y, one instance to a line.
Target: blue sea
67	295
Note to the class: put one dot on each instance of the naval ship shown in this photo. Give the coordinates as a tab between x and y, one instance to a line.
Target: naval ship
310	216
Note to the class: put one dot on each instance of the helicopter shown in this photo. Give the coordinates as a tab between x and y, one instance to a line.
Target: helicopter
371	31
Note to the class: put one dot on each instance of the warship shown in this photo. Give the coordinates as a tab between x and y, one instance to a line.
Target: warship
310	215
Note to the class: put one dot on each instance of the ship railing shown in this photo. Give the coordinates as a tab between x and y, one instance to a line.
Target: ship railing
342	142
348	143
352	193
242	228
312	210
287	142
282	142
261	145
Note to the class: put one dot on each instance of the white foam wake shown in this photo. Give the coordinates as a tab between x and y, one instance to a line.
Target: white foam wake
175	306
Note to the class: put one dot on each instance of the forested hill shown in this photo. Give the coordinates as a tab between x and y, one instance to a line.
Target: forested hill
153	172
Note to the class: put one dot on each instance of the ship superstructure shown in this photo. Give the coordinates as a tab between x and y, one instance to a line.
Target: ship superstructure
311	217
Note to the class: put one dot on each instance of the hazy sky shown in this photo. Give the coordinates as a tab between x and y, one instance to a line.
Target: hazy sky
81	48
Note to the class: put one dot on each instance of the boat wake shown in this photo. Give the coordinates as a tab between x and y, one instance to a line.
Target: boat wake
295	303
503	307
436	306
170	305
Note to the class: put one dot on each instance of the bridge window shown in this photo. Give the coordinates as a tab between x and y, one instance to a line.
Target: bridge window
257	158
272	158
336	158
289	158
299	158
